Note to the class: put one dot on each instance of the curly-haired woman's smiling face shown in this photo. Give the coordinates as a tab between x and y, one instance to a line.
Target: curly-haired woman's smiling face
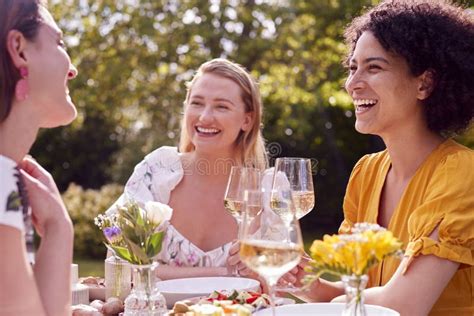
385	93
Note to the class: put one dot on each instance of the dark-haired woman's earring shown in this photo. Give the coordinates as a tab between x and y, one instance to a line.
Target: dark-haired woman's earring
70	74
21	89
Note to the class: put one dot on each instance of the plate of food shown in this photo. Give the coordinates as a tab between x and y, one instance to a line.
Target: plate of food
327	309
223	303
181	289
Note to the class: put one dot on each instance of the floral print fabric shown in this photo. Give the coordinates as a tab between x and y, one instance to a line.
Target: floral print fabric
13	208
153	180
180	252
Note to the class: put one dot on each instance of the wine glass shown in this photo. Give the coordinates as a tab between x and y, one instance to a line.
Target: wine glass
240	180
294	174
269	245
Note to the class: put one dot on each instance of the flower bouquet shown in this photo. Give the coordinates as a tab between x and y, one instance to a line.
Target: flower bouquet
350	256
133	234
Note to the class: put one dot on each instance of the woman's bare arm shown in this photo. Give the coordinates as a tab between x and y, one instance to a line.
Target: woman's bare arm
52	269
18	292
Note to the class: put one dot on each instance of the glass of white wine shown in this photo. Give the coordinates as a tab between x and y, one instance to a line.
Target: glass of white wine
270	246
240	180
295	174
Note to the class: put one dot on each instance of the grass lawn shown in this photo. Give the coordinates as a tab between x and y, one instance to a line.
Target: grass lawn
90	267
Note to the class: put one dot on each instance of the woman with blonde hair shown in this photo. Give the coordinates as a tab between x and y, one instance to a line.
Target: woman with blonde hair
220	129
32	50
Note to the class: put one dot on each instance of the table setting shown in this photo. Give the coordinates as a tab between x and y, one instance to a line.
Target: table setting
271	245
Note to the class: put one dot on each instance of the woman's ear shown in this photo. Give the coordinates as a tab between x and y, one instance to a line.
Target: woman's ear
248	120
426	84
16	44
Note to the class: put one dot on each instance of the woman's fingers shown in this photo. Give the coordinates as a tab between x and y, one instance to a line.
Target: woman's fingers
35	170
32	167
32	183
234	258
234	248
289	278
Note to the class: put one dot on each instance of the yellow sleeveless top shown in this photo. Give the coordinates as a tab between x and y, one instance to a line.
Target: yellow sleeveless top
440	194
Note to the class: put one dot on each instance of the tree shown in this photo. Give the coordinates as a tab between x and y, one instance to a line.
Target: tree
134	57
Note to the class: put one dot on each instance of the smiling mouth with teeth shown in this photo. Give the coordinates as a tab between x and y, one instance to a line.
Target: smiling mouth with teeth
207	131
364	103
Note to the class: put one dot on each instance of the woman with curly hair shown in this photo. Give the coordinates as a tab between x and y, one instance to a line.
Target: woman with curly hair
411	78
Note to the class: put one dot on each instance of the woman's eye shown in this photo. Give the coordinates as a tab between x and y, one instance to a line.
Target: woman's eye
222	107
352	68
374	67
196	104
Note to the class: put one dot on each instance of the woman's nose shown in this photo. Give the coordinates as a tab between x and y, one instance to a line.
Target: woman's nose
206	114
354	82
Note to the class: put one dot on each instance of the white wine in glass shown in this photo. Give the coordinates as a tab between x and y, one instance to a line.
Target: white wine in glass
271	246
241	179
270	258
295	174
304	202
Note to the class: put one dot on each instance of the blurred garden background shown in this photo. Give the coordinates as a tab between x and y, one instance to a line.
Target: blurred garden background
134	57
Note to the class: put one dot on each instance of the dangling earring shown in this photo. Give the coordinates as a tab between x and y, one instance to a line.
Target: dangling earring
21	89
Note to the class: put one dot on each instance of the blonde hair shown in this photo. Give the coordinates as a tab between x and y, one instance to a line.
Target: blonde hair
250	144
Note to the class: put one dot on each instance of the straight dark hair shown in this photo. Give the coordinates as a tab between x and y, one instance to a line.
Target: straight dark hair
23	16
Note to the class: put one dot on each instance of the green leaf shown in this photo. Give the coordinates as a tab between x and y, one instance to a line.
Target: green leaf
137	251
121	252
154	244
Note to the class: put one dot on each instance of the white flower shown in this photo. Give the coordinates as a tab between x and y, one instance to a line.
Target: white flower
158	212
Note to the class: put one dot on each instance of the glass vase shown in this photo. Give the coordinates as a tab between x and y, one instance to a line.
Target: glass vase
354	286
145	298
118	278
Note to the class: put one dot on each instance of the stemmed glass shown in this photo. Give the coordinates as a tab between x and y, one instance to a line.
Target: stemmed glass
269	245
293	174
242	179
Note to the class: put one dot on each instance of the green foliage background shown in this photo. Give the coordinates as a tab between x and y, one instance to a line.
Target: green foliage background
134	57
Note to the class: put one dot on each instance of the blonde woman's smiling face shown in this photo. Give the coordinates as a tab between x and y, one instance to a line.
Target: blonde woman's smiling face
215	114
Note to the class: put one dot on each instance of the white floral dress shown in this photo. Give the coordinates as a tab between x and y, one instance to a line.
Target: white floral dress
153	180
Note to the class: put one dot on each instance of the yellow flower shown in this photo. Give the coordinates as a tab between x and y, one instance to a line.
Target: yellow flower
353	254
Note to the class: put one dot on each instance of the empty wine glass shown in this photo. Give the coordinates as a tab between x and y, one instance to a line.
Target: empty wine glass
270	246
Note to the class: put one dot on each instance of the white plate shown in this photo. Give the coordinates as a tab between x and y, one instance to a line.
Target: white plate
180	289
326	309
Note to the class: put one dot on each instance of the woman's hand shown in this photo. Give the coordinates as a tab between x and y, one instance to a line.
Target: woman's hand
235	264
47	207
292	281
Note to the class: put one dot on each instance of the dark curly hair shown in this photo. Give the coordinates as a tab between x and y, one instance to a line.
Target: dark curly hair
433	35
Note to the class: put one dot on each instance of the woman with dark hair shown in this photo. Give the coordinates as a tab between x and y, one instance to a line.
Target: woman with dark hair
411	78
34	71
